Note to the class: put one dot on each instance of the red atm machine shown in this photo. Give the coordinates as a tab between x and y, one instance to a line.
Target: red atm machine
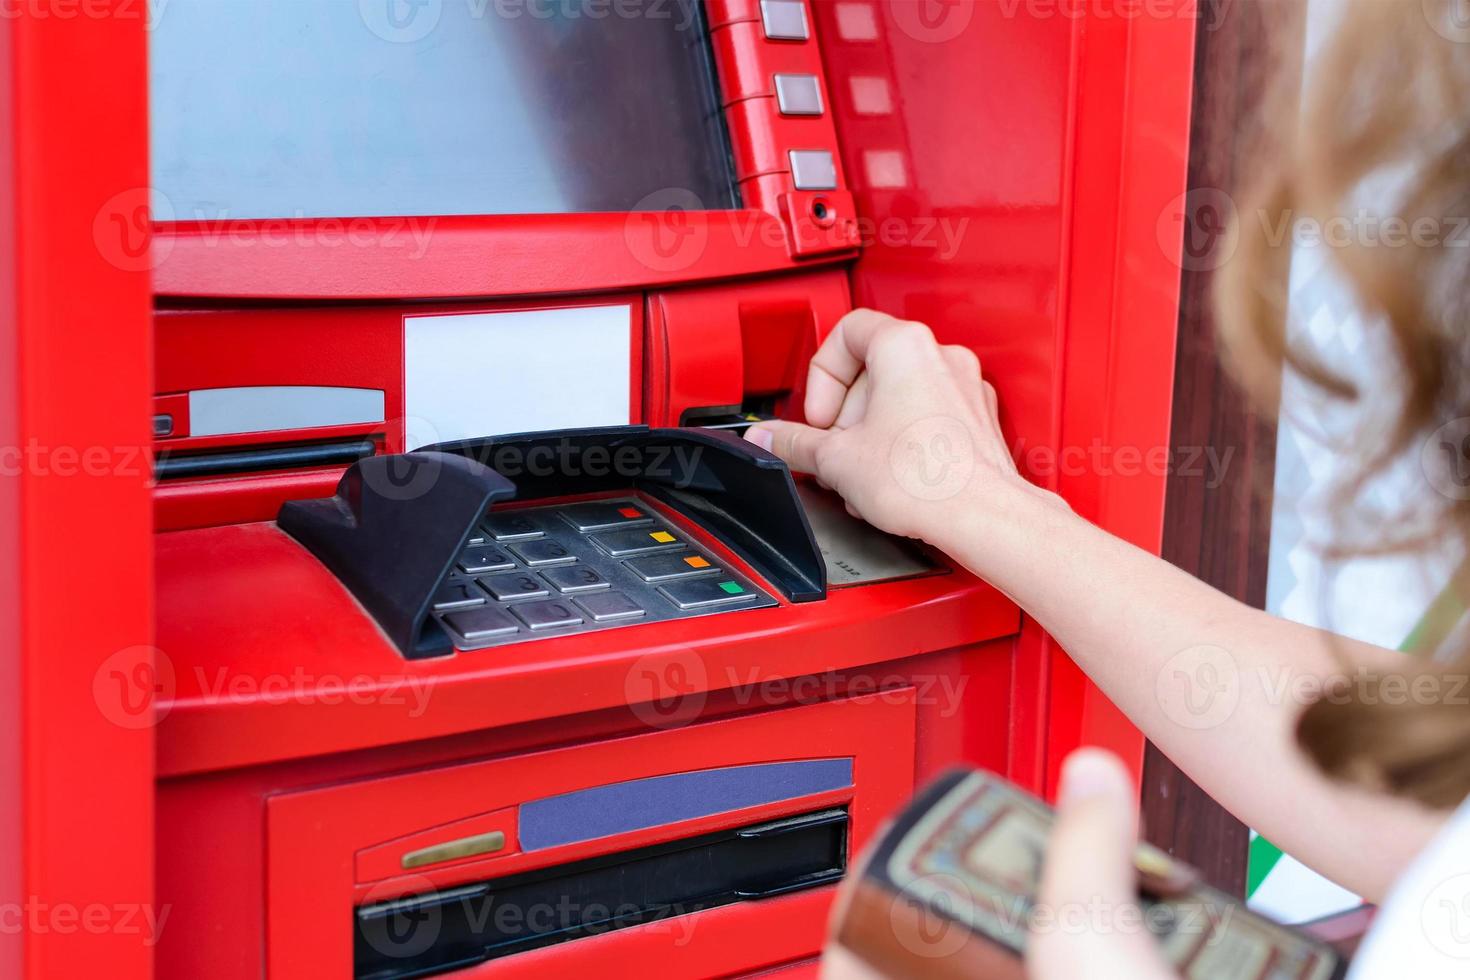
388	590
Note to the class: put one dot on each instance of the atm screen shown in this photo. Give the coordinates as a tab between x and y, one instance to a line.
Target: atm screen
347	108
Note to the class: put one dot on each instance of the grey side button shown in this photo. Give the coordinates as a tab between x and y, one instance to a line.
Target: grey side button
514	585
457	595
813	170
700	592
798	95
511	527
543	552
479	624
575	578
606	607
546	615
784	20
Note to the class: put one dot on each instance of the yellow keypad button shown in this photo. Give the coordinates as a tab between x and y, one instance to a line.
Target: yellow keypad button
662	537
694	561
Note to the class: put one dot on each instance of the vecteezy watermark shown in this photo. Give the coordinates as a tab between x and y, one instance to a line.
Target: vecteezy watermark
933	458
1209	16
123	229
1099	458
932	21
1199	687
1201	229
662	232
405	928
35	458
1199	226
667	689
37	917
303	687
669	231
936	914
1450	19
1445	917
148	11
670	688
675	465
134	687
410	21
1202	686
1444	459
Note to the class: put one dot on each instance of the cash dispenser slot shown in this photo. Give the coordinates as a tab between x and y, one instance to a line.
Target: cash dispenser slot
398	526
459	927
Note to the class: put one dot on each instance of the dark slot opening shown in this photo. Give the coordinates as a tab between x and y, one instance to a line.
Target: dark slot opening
458	927
168	467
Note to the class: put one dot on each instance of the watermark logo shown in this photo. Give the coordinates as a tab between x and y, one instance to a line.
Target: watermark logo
401	21
932	927
662	232
1199	226
1446	917
122	229
667	690
1450	19
1445	459
401	928
932	21
933	458
134	687
1199	688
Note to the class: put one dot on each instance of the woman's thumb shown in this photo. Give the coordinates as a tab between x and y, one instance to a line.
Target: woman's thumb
1088	921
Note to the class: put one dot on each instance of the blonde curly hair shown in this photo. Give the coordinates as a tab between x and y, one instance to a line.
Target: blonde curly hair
1385	115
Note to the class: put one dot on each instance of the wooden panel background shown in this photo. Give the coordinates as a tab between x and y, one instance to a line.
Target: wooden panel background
1218	530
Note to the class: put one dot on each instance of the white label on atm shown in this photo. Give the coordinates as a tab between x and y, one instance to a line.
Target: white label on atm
483	374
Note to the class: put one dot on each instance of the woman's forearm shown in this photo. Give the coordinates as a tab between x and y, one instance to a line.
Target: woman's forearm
1216	685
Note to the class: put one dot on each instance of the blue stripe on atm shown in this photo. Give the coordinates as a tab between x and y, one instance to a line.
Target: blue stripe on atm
642	803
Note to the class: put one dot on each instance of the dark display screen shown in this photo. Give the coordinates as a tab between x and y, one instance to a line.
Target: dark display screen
346	108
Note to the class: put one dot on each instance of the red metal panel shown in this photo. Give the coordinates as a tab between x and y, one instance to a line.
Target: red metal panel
453	257
1026	234
312	836
76	684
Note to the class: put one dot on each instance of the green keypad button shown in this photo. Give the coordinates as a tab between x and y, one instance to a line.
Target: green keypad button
734	588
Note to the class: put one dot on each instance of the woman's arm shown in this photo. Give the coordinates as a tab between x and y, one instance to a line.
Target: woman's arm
906	431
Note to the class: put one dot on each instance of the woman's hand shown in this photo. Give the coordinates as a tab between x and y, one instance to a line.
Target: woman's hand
902	427
1088	901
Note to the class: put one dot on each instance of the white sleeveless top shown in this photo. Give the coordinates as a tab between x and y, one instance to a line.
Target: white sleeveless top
1423	930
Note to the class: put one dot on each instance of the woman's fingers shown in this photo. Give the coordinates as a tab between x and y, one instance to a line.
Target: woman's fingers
795	443
856	404
859	338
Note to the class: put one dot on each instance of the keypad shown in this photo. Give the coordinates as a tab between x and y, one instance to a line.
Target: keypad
556	569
